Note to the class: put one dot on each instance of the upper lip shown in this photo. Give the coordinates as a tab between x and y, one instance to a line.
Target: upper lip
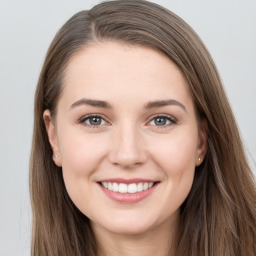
128	181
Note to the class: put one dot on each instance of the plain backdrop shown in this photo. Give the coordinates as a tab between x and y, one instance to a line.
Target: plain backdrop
228	28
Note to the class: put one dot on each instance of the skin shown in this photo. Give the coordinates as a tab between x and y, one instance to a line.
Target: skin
127	143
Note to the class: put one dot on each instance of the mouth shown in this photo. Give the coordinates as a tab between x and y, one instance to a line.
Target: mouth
130	188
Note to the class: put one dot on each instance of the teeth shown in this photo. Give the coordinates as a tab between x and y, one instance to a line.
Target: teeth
130	188
115	187
145	186
121	189
140	187
150	185
110	186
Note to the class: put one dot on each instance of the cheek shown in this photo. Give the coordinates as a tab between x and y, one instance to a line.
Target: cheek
176	158
176	153
80	153
177	164
81	156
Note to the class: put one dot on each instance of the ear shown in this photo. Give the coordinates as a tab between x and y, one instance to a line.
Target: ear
202	142
52	136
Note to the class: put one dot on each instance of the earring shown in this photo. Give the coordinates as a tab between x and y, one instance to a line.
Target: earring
199	159
55	155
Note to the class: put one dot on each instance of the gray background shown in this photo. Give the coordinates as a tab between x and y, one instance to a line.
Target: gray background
228	29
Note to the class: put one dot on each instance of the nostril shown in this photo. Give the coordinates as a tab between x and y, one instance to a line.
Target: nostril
127	151
128	161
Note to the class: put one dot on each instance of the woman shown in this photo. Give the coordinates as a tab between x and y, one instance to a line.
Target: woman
135	148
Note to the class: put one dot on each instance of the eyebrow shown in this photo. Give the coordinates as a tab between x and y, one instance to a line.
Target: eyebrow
106	105
162	103
90	102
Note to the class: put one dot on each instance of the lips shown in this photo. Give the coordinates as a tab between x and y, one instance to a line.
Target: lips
128	191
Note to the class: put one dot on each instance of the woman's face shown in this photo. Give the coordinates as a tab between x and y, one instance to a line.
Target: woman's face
126	120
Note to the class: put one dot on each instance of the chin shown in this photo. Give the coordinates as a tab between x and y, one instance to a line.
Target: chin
129	229
127	225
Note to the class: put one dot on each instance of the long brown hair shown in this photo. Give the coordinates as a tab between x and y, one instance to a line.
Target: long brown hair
219	215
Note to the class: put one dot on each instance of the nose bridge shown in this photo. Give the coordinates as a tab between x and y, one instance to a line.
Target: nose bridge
128	149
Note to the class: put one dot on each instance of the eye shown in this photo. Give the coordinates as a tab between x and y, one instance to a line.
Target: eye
162	120
93	121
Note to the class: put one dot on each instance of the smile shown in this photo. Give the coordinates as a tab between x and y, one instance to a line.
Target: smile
127	188
128	191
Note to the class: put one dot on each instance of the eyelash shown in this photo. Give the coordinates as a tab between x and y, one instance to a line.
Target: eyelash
172	121
169	118
85	118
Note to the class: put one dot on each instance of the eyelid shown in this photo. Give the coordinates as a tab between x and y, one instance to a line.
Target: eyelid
82	120
169	117
172	120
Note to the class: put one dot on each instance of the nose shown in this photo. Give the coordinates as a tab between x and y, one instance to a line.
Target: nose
127	149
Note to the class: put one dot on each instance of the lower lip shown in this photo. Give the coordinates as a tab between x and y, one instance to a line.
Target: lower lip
128	197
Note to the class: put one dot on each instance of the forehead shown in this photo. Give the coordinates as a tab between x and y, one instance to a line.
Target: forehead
115	71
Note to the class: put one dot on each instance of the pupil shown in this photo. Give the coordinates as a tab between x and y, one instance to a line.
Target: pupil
95	121
160	121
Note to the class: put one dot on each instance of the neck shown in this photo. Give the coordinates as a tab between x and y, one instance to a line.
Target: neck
158	241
